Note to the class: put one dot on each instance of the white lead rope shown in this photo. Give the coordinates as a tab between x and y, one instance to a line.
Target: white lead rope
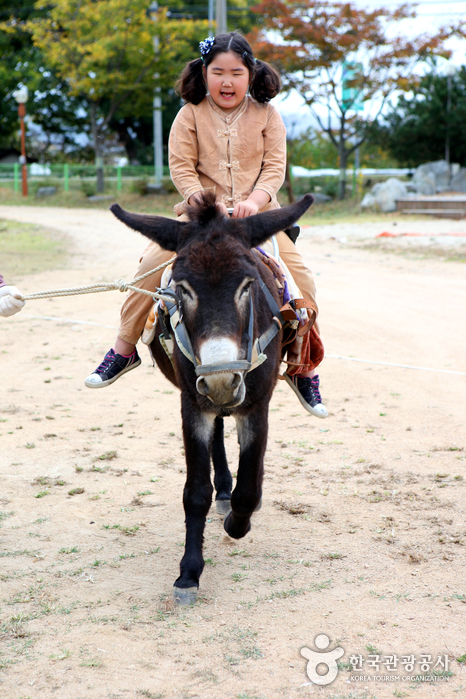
118	285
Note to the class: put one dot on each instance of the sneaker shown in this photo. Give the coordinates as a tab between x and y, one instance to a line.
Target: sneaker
113	366
308	393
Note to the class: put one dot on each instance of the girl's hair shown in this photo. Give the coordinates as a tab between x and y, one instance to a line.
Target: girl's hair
265	81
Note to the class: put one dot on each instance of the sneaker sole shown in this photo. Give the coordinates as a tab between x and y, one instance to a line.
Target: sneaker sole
103	384
305	405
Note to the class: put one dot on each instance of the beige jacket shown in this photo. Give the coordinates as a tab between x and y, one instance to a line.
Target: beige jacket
233	154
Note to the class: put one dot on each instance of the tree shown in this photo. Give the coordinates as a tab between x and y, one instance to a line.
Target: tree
240	13
415	129
313	44
104	51
52	109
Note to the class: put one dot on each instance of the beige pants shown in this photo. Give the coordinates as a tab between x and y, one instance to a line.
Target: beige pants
136	307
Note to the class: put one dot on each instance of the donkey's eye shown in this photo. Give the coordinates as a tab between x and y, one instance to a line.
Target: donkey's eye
184	291
246	288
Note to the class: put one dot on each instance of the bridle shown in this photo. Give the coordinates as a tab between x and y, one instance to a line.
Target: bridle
255	355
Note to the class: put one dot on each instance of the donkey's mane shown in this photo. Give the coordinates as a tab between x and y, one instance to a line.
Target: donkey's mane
204	211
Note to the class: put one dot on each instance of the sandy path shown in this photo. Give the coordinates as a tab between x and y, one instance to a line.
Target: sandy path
362	531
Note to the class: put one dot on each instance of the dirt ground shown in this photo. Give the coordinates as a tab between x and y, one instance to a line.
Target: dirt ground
362	532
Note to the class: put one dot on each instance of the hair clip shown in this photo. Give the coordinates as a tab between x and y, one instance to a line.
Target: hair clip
244	54
206	45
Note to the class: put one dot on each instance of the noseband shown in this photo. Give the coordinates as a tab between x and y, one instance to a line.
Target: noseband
255	351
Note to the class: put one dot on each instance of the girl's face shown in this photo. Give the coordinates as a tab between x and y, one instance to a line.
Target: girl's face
227	80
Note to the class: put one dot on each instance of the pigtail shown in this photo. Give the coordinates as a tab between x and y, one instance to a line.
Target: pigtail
191	85
265	82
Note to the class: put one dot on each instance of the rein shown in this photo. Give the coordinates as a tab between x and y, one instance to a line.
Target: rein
255	351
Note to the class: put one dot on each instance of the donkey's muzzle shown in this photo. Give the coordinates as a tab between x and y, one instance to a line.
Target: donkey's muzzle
224	388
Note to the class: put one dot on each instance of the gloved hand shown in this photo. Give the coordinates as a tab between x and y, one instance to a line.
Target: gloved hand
10	301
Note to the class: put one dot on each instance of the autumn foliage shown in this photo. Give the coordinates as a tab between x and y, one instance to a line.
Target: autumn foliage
311	42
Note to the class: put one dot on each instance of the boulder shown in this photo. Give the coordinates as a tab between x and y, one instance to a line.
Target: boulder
320	198
424	180
46	191
458	182
386	193
368	201
434	177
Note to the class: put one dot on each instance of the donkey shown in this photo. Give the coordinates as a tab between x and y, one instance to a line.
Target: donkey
224	314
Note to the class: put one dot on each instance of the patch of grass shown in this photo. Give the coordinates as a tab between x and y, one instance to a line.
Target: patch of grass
91	662
239	552
72	549
5	515
130	531
76	491
42	494
99	469
372	650
41	480
27	249
292	508
65	653
107	456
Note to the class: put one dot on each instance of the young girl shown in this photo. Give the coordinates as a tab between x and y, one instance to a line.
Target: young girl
234	143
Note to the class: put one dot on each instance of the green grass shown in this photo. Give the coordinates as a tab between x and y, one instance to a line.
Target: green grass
26	249
347	210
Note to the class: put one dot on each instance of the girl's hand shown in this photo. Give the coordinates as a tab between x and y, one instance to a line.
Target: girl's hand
10	301
194	199
222	208
246	208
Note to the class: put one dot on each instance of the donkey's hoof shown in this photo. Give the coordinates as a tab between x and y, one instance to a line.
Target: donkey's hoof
237	533
184	596
223	507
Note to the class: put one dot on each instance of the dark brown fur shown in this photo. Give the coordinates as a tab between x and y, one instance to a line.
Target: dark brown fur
214	254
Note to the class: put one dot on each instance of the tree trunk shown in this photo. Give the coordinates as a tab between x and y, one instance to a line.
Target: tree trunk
99	162
343	159
288	182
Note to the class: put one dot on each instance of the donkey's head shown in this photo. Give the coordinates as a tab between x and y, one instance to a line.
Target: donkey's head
216	277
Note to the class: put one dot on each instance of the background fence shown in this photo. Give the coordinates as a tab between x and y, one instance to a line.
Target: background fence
77	177
135	178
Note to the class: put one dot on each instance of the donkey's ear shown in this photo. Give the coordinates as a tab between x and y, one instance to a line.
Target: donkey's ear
261	227
164	231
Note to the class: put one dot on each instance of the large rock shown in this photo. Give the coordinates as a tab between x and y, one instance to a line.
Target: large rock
368	201
320	198
46	191
424	180
458	182
437	176
386	193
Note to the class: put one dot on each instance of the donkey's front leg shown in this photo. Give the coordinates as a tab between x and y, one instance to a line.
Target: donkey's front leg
197	496
246	497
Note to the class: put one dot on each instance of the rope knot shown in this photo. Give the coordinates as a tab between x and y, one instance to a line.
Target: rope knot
121	285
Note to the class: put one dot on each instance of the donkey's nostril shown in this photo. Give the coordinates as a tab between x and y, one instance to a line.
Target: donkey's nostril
236	381
202	387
